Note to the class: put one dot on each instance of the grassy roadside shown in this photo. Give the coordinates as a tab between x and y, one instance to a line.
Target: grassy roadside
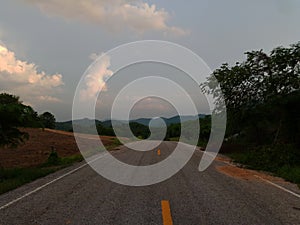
115	143
173	139
288	172
11	178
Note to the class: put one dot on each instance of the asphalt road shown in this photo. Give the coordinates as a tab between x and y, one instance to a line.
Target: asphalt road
210	197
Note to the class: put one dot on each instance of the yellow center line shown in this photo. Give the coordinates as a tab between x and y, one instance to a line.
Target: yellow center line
158	152
166	212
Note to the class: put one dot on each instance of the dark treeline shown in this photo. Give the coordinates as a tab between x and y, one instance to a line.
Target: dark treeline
14	114
263	103
139	130
173	130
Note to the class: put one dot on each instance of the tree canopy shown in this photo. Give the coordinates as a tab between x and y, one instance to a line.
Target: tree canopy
13	115
261	79
262	97
47	120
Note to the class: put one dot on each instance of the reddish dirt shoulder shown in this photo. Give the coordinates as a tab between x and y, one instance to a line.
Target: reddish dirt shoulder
245	174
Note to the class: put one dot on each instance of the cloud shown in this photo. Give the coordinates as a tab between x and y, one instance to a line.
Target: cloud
154	104
95	80
22	78
113	15
47	98
94	56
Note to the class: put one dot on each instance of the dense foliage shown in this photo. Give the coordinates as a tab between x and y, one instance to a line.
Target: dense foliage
263	101
139	130
13	115
47	120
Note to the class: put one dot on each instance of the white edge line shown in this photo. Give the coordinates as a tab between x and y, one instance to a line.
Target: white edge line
47	184
278	186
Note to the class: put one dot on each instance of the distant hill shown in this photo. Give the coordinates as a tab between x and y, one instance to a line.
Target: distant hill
68	126
169	121
87	123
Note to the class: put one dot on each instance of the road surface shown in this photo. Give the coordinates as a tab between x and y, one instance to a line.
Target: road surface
189	197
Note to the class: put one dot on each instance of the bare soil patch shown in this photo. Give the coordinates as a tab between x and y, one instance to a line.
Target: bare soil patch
245	174
36	150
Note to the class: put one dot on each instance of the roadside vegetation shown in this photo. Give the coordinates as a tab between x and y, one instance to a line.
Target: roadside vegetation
11	178
15	115
263	103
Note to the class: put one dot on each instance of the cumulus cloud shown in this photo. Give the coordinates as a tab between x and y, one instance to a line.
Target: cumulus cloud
95	80
113	15
22	78
46	98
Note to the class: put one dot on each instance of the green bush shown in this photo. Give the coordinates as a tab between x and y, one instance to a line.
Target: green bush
15	177
269	157
53	159
282	160
290	173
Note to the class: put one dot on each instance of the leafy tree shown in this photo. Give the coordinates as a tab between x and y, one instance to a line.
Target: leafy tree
173	130
261	79
47	120
30	118
262	96
12	113
139	130
106	131
205	128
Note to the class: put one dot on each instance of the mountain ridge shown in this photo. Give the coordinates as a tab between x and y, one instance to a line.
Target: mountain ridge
68	125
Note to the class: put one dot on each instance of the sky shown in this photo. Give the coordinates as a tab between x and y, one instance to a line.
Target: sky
47	45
